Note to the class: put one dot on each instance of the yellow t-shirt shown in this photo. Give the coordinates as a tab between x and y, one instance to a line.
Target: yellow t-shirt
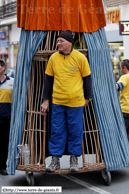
124	94
68	71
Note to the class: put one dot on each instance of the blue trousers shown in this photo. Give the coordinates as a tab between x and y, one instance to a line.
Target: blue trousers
126	119
4	140
66	123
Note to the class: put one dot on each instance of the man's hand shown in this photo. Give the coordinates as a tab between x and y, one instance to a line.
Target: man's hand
45	106
117	87
86	102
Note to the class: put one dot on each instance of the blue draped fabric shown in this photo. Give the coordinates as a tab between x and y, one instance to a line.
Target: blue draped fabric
108	113
29	43
107	108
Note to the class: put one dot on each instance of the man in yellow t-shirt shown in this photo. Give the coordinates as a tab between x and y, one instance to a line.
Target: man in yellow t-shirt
123	86
68	74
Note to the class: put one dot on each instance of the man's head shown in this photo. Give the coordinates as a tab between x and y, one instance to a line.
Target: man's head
2	66
65	41
124	66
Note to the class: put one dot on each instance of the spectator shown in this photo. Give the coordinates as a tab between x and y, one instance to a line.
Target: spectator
6	89
123	86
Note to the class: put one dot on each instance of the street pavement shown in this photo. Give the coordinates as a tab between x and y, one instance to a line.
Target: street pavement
89	182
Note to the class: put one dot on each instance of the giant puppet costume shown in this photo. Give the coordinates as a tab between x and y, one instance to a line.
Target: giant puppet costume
36	18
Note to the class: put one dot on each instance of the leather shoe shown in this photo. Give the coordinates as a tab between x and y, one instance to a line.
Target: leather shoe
3	172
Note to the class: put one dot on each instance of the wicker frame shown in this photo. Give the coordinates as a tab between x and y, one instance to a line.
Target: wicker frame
34	135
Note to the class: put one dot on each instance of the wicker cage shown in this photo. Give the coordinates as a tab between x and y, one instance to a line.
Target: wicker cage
34	148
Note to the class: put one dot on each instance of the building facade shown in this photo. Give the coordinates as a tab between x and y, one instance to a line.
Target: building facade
118	44
9	33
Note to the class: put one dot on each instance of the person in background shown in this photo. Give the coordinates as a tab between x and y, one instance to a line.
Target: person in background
68	74
123	86
6	90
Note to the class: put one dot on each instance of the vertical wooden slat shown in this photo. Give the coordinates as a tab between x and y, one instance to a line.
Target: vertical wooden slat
44	138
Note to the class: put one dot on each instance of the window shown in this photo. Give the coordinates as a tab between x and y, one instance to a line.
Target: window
117	55
4	2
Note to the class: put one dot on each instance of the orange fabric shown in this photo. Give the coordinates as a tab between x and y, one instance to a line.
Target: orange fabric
75	15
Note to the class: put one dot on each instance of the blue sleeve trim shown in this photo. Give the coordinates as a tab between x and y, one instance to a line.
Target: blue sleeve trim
121	86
